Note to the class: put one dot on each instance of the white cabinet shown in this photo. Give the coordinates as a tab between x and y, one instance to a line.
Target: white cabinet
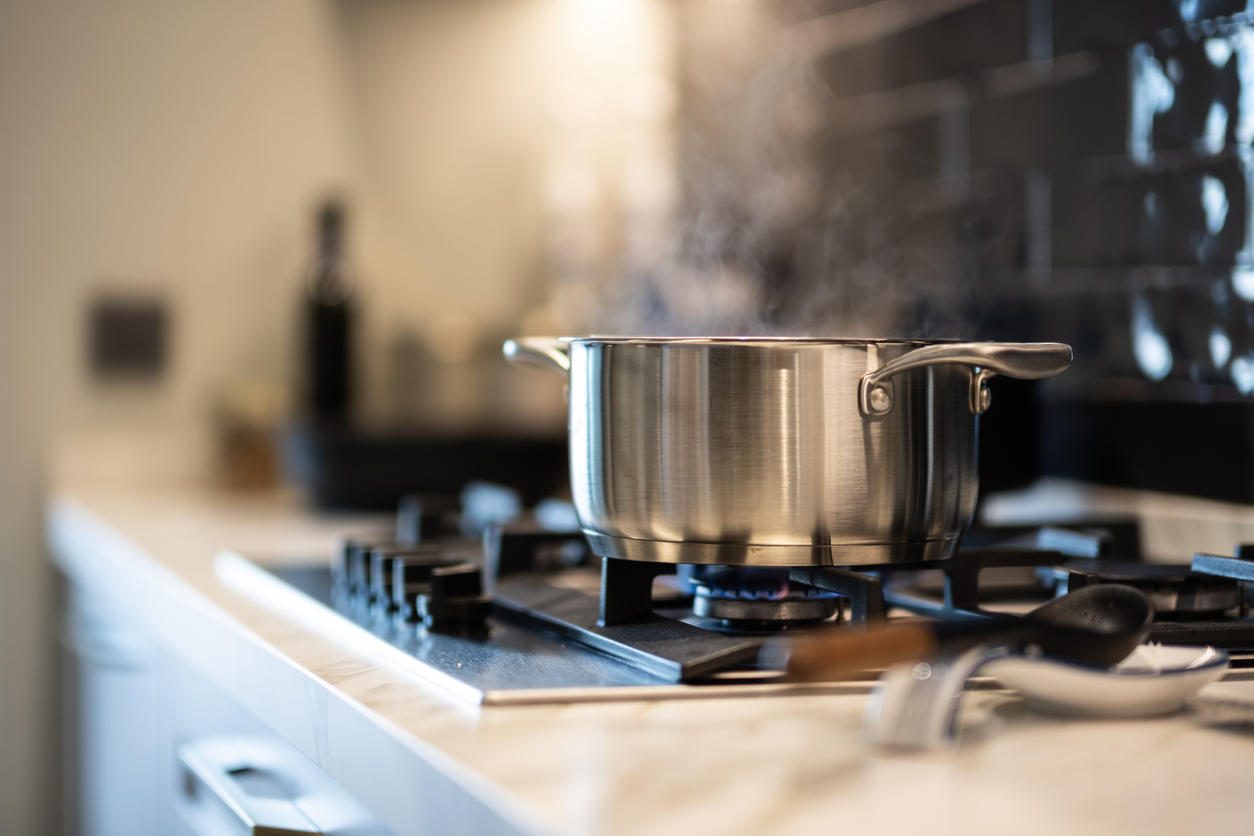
155	749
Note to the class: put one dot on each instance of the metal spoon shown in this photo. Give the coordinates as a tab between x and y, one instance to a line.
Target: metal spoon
1095	625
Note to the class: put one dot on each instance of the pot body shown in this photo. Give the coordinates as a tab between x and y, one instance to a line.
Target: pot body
759	452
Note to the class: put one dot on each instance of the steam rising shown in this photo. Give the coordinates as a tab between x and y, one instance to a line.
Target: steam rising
786	224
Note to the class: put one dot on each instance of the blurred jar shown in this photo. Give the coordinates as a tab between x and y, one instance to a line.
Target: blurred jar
248	416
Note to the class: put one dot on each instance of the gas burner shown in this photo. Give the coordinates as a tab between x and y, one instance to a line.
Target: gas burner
745	597
1178	592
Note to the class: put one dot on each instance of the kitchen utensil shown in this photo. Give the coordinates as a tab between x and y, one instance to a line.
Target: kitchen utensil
777	451
1154	679
1095	626
916	706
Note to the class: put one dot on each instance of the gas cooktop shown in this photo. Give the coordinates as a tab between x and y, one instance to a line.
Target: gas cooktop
530	616
523	651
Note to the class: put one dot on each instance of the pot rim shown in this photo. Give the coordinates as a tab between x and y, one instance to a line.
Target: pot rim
747	340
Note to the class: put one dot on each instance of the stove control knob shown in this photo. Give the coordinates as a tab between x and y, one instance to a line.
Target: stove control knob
411	576
351	574
456	604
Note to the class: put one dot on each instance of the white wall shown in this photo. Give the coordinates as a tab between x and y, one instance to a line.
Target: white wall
482	127
182	147
151	145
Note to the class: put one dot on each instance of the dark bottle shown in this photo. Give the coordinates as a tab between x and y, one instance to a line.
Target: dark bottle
330	321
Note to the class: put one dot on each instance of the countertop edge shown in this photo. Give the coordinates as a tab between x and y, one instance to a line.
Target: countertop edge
413	786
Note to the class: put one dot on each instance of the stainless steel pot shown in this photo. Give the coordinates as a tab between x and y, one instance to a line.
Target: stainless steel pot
779	452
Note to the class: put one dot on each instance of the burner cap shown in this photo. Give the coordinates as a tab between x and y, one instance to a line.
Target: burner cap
759	595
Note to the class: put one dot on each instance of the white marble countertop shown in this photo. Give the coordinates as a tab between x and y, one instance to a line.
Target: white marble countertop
778	765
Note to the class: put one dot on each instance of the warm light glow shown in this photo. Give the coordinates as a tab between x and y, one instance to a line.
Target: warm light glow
602	18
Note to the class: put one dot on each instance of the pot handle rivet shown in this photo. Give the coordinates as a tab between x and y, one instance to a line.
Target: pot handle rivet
880	399
981	395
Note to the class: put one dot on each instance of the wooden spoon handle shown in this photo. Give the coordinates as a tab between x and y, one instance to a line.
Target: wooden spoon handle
836	656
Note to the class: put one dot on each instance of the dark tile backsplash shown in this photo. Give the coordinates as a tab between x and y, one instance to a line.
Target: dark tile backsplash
1028	169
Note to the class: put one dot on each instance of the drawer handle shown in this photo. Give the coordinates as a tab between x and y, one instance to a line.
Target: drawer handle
259	800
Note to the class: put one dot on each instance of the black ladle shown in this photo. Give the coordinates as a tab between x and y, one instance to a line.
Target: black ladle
1095	625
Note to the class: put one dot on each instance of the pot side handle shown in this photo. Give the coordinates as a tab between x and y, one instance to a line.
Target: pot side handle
546	352
1025	361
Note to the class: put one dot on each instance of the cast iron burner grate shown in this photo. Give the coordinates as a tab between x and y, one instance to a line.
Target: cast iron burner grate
686	640
1178	592
1205	603
715	629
